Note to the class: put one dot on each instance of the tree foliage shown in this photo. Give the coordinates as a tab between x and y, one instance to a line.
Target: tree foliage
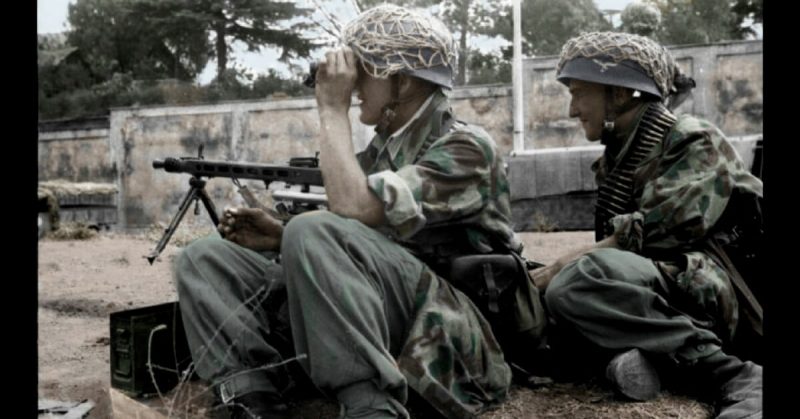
548	24
706	21
641	19
488	68
748	13
125	52
114	39
255	23
123	91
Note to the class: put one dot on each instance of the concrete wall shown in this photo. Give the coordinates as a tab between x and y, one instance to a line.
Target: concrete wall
79	155
729	93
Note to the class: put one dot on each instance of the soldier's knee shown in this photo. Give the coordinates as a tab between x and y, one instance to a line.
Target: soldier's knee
561	296
197	253
555	295
312	225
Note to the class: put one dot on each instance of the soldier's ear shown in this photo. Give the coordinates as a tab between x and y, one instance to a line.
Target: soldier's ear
405	84
622	95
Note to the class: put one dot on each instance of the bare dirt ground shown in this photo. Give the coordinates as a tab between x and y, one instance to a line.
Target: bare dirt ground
82	281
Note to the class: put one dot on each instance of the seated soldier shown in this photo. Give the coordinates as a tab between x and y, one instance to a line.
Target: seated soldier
362	311
677	223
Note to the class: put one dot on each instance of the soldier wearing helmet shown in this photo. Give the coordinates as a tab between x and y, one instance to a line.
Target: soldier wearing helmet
669	287
367	313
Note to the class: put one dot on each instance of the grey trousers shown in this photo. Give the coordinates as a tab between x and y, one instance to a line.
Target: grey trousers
617	300
350	294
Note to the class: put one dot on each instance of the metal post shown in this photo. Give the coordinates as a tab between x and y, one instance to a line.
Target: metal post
519	133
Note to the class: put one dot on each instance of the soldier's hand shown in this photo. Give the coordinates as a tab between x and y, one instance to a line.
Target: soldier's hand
336	79
252	228
541	277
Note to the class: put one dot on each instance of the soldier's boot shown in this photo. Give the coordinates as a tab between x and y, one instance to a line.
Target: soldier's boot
738	385
634	376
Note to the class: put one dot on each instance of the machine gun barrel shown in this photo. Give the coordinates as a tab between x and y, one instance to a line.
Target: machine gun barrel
302	171
302	175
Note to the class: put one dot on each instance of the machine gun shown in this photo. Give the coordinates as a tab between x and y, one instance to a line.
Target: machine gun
303	171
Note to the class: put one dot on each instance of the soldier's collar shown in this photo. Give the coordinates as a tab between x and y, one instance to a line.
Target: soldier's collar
409	135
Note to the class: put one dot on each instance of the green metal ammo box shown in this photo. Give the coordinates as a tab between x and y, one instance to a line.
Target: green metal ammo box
158	328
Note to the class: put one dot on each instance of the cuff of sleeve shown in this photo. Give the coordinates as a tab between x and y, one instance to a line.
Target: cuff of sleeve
403	212
629	231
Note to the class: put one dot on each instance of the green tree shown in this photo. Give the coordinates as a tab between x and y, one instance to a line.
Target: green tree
548	24
641	19
113	38
704	21
748	13
488	68
255	23
273	84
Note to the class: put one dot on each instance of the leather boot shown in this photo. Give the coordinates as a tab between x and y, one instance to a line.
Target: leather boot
634	376
738	385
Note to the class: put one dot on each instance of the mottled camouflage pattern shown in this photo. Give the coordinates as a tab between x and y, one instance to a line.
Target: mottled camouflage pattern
681	190
451	356
459	177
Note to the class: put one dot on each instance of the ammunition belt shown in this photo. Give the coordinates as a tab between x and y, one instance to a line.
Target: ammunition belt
615	195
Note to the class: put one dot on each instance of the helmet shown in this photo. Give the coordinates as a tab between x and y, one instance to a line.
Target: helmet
393	39
622	59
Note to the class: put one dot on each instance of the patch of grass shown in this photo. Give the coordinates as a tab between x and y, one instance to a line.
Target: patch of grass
543	223
72	231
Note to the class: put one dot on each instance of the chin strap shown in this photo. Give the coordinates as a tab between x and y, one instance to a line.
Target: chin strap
609	122
611	115
388	112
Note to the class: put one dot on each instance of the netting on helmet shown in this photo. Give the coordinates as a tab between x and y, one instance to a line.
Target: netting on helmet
655	59
392	38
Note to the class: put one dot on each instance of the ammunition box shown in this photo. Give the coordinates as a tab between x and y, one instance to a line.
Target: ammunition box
149	352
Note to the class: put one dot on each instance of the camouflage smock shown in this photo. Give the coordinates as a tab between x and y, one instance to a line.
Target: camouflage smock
681	190
445	189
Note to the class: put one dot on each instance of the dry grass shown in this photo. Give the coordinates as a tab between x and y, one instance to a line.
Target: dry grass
72	231
81	281
61	188
589	401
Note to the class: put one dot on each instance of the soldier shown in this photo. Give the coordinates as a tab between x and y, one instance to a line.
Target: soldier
677	222
364	313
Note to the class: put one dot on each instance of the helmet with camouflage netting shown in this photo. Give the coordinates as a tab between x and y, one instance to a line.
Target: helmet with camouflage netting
622	59
389	39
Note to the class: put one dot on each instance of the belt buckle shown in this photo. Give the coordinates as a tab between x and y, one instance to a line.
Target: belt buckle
225	393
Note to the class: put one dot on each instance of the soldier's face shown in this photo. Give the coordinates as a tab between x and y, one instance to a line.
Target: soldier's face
374	94
588	105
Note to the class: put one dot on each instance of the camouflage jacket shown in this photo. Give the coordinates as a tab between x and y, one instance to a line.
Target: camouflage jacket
444	189
680	192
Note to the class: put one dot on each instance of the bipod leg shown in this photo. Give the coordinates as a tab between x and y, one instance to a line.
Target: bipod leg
200	184
191	196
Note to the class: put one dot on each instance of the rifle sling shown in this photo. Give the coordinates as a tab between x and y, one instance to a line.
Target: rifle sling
751	308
